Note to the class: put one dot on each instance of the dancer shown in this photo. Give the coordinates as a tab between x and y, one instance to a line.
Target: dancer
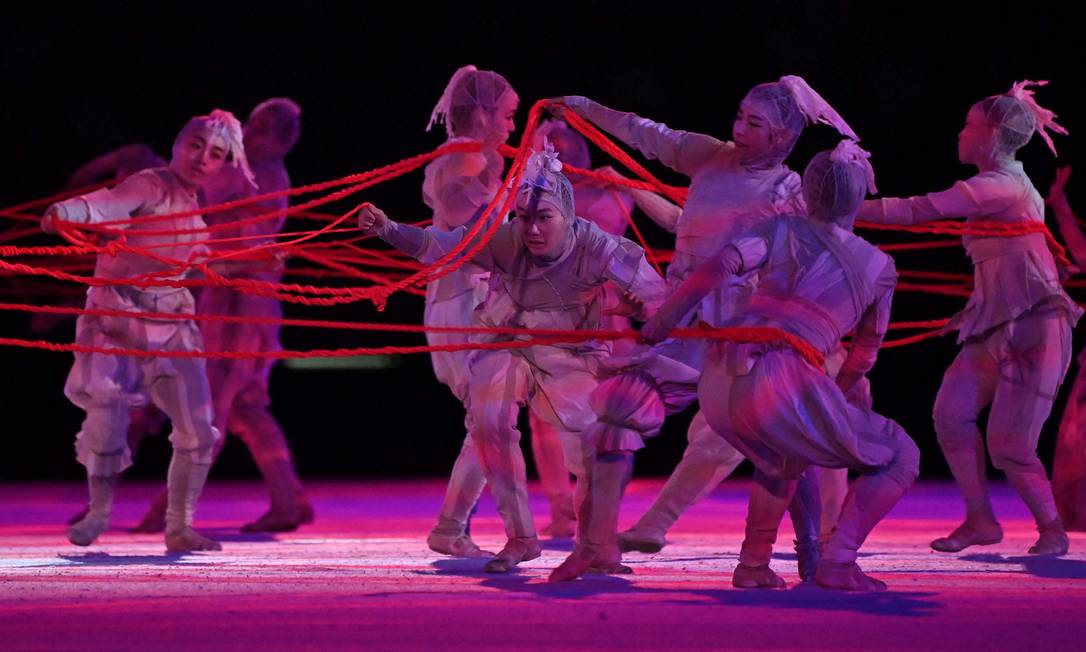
734	186
608	207
105	386
817	281
1015	330
477	105
239	388
548	267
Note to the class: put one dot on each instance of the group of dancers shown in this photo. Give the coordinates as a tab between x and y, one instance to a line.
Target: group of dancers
758	249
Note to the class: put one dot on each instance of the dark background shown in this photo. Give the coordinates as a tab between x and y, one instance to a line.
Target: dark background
79	82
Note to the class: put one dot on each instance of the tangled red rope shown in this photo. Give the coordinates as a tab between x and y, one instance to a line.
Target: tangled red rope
390	272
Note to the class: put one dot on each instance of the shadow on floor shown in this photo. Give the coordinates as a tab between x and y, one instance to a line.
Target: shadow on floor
1036	565
913	604
106	559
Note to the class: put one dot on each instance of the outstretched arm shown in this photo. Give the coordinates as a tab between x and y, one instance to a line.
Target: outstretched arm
110	165
979	196
682	151
104	205
425	245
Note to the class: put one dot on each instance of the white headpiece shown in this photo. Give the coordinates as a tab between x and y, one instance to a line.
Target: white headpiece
469	87
848	151
814	108
543	173
224	125
835	182
1043	119
440	114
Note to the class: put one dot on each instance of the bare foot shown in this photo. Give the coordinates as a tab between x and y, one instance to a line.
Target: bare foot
85	531
187	540
846	577
756	577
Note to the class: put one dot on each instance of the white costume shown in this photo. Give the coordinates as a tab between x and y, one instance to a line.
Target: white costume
458	187
1015	329
108	386
817	281
239	388
729	194
608	208
553	380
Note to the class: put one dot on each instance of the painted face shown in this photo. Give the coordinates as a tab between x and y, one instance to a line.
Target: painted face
197	157
975	137
543	228
752	133
500	122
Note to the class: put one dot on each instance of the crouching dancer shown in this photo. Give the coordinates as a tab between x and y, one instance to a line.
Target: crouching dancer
818	281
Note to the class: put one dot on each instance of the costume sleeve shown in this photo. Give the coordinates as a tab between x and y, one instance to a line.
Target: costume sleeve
984	194
682	151
870	331
118	203
430	244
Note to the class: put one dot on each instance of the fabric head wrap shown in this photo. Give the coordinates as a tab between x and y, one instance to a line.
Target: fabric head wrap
790	104
468	89
1016	116
224	125
543	174
835	182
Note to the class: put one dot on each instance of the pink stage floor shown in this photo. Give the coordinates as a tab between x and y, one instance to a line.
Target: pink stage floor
361	577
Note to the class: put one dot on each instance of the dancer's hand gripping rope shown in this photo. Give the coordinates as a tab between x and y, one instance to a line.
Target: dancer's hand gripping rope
371	218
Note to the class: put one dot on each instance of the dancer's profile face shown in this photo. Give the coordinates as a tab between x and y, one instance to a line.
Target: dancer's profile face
975	137
198	156
752	132
500	121
542	225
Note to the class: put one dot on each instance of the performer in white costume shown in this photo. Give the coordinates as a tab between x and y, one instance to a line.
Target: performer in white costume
1015	330
477	105
547	268
817	281
108	386
734	186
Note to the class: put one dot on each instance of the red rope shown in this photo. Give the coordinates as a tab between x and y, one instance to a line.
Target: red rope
343	259
589	131
637	232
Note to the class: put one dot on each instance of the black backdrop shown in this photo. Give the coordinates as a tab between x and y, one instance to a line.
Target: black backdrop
78	82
